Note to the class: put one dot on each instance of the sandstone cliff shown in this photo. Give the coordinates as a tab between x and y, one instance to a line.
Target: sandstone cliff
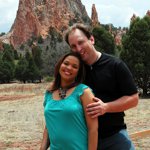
36	17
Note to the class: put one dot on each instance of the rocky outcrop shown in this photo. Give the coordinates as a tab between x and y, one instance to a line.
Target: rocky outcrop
117	34
148	13
36	17
94	16
133	18
26	23
1	46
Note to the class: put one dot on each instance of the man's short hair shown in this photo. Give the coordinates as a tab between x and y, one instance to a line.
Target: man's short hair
85	29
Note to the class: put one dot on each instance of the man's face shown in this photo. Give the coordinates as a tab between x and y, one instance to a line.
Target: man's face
81	44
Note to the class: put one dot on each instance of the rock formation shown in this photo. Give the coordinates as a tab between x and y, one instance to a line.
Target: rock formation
36	17
133	18
148	13
118	36
94	16
1	46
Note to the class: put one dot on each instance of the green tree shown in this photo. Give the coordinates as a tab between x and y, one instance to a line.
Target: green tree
21	70
32	72
104	41
136	51
36	54
40	39
7	64
8	46
6	71
16	57
8	54
1	69
3	33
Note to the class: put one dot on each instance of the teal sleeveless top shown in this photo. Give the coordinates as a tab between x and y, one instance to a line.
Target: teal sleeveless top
65	121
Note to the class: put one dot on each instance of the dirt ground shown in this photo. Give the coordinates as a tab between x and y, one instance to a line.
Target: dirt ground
22	120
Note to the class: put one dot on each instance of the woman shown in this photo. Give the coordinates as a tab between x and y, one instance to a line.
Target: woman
68	127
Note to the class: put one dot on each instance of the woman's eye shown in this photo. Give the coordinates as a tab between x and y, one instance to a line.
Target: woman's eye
76	67
65	63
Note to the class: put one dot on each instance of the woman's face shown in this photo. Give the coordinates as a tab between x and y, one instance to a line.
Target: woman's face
69	68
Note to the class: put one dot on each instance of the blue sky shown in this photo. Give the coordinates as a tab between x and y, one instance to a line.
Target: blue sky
117	12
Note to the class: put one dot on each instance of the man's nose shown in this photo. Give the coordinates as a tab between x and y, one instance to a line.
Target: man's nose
78	48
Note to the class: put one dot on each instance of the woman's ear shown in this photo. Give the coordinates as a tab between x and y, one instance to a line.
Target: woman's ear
92	39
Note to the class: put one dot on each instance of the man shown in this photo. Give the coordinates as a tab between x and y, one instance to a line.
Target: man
113	86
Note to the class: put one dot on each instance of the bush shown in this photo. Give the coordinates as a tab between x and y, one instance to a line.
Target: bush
48	78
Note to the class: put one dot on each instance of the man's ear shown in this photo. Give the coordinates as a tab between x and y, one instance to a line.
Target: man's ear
92	39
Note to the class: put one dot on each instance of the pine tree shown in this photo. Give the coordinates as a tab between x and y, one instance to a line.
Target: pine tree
104	41
21	70
136	51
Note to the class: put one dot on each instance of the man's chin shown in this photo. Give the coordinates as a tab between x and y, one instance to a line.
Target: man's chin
85	60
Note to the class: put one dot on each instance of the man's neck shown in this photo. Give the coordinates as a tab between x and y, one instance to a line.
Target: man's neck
95	58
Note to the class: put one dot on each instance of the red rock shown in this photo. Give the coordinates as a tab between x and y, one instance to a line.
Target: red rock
35	17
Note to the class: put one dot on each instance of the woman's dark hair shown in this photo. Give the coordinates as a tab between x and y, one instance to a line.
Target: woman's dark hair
85	29
80	76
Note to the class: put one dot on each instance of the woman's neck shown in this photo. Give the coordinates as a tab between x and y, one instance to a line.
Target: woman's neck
67	84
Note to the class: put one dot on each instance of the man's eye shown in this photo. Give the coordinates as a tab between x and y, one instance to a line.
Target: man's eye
81	42
73	46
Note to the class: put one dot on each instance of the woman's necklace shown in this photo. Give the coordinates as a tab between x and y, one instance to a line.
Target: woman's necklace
62	91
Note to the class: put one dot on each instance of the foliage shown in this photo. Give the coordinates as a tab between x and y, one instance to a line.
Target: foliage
48	78
136	51
104	41
36	54
8	55
21	70
40	39
2	33
32	71
55	35
22	47
16	57
108	26
7	65
30	42
6	71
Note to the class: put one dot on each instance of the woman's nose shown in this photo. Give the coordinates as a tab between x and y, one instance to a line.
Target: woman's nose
69	67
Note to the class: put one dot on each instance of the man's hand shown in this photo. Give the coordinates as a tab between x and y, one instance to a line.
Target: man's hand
96	108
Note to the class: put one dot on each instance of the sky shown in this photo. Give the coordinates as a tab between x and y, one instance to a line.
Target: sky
117	12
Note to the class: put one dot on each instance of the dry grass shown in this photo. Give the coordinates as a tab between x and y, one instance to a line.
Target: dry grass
22	121
138	120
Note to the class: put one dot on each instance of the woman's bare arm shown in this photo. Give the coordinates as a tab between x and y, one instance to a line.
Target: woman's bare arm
45	141
92	123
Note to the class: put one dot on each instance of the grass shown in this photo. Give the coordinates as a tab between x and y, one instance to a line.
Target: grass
22	120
